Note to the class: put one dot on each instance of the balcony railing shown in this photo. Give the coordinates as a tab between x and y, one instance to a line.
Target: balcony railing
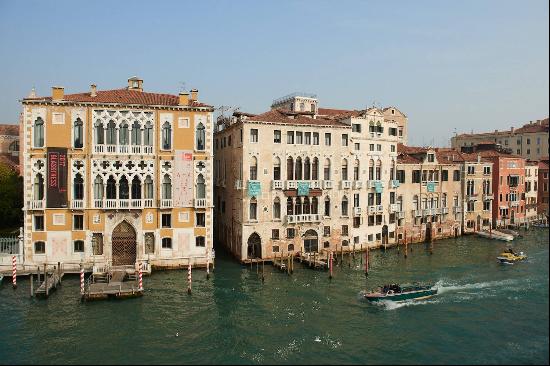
148	202
379	208
426	212
123	149
400	214
345	184
444	210
357	184
238	184
357	211
327	184
200	202
394	207
372	209
291	184
373	183
457	209
471	196
514	203
394	183
417	213
276	184
123	204
165	203
303	218
36	205
487	196
77	204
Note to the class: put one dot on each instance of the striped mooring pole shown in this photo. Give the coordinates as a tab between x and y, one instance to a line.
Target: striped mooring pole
189	279
82	280
140	278
14	272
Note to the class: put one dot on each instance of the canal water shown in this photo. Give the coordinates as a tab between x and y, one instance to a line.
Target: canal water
485	312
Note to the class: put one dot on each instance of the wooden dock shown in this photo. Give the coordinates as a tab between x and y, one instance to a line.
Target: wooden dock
117	284
49	285
314	260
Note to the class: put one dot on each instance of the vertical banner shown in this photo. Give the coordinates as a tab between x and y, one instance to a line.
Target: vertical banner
254	188
182	178
303	188
56	191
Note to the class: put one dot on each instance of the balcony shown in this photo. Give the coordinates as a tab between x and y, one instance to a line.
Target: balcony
357	184
457	209
487	196
148	203
77	204
357	211
394	207
444	210
291	184
327	184
374	183
426	212
400	214
417	213
394	183
165	203
471	196
238	184
345	184
514	203
200	202
36	205
276	184
304	218
123	149
379	208
372	209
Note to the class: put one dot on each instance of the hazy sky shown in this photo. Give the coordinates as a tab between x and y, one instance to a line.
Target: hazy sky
464	65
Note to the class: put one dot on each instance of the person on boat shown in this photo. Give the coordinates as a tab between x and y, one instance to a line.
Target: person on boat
511	251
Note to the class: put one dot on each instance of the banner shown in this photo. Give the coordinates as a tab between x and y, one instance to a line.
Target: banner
254	188
430	186
182	179
303	188
378	186
56	171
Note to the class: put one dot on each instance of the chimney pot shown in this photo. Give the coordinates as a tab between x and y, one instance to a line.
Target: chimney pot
93	90
183	98
58	92
194	94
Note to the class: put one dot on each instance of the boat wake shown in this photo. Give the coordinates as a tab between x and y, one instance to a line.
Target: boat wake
394	305
444	287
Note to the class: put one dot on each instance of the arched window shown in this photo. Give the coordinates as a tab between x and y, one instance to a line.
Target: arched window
253	168
38	187
306	207
39	132
312	107
378	170
123	134
148	134
201	136
98	188
326	170
99	133
277	169
356	170
315	169
111	133
148	188
307	169
111	188
371	169
444	200
290	168
344	169
136	133
298	206
327	206
167	187
344	206
314	206
123	189
201	187
277	208
253	209
136	188
298	169
289	206
78	186
166	136
78	134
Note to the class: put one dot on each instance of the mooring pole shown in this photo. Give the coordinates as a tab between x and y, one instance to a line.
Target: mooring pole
330	265
367	262
189	278
14	272
32	284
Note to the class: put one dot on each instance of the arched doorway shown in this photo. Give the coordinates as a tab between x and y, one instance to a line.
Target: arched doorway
512	217
311	241
428	236
124	245
478	222
254	246
385	234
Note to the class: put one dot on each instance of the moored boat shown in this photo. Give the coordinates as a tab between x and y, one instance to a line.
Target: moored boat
514	233
494	234
395	292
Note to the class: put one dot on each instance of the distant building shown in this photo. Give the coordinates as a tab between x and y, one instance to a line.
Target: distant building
529	141
542	197
9	146
531	189
115	177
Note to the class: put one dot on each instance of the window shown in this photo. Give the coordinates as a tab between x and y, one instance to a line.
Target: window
277	209
327	139
200	132
253	135
307	137
38	187
444	175
201	219
136	134
378	147
327	207
400	175
79	246
392	148
356	222
356	127
78	134
416	176
326	230
471	169
201	187
166	187
78	186
315	138
456	175
97	243
200	241
344	139
39	223
166	136
344	206
326	170
166	220
277	169
123	134
371	147
431	158
166	243
253	210
277	136
486	205
290	233
345	230
78	222
39	132
290	137
299	139
357	146
392	131
39	247
148	134
275	234
254	168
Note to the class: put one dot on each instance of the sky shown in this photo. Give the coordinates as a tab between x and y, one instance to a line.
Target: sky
448	65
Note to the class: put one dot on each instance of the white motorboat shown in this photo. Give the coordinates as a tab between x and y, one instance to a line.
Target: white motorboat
494	234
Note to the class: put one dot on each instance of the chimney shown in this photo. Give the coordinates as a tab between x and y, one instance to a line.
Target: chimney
478	158
135	83
194	94
512	129
93	90
183	98
58	92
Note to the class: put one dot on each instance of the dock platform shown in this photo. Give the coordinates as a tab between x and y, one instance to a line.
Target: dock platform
117	284
314	261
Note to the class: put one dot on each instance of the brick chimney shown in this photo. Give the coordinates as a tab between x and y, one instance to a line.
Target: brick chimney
135	83
183	98
194	94
93	90
58	92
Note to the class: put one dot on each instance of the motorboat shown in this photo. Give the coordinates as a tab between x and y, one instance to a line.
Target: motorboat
510	257
394	292
494	234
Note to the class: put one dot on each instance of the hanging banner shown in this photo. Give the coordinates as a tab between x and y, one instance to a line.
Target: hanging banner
182	179
56	185
303	188
431	186
378	186
254	188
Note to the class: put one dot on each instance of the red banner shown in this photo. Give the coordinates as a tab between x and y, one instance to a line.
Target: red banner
56	185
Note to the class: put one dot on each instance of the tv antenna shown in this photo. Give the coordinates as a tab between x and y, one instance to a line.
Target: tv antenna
182	86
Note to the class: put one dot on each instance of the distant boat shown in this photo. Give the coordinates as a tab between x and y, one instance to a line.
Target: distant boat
540	225
395	292
515	234
510	257
494	234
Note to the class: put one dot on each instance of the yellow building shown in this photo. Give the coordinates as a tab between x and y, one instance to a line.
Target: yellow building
117	177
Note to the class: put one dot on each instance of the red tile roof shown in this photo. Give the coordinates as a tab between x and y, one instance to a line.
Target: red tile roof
278	116
334	112
123	96
10	130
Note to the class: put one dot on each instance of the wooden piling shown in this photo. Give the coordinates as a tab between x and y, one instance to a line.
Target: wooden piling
330	265
59	271
32	284
46	280
361	255
367	262
263	268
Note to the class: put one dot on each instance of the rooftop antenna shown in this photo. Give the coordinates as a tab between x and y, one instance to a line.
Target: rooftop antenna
182	86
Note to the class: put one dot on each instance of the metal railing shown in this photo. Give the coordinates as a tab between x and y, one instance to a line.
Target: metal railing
200	202
9	245
295	219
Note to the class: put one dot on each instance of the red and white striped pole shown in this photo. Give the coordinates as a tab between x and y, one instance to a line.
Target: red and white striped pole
82	280
140	278
14	272
189	279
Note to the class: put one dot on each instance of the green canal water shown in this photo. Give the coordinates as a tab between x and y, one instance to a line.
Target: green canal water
485	312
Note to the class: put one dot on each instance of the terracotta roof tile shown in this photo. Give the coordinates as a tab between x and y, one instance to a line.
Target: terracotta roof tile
10	130
123	96
278	116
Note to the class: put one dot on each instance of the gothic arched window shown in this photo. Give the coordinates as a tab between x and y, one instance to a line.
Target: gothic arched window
39	132
166	188
136	133
201	187
201	136
78	134
78	186
166	136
